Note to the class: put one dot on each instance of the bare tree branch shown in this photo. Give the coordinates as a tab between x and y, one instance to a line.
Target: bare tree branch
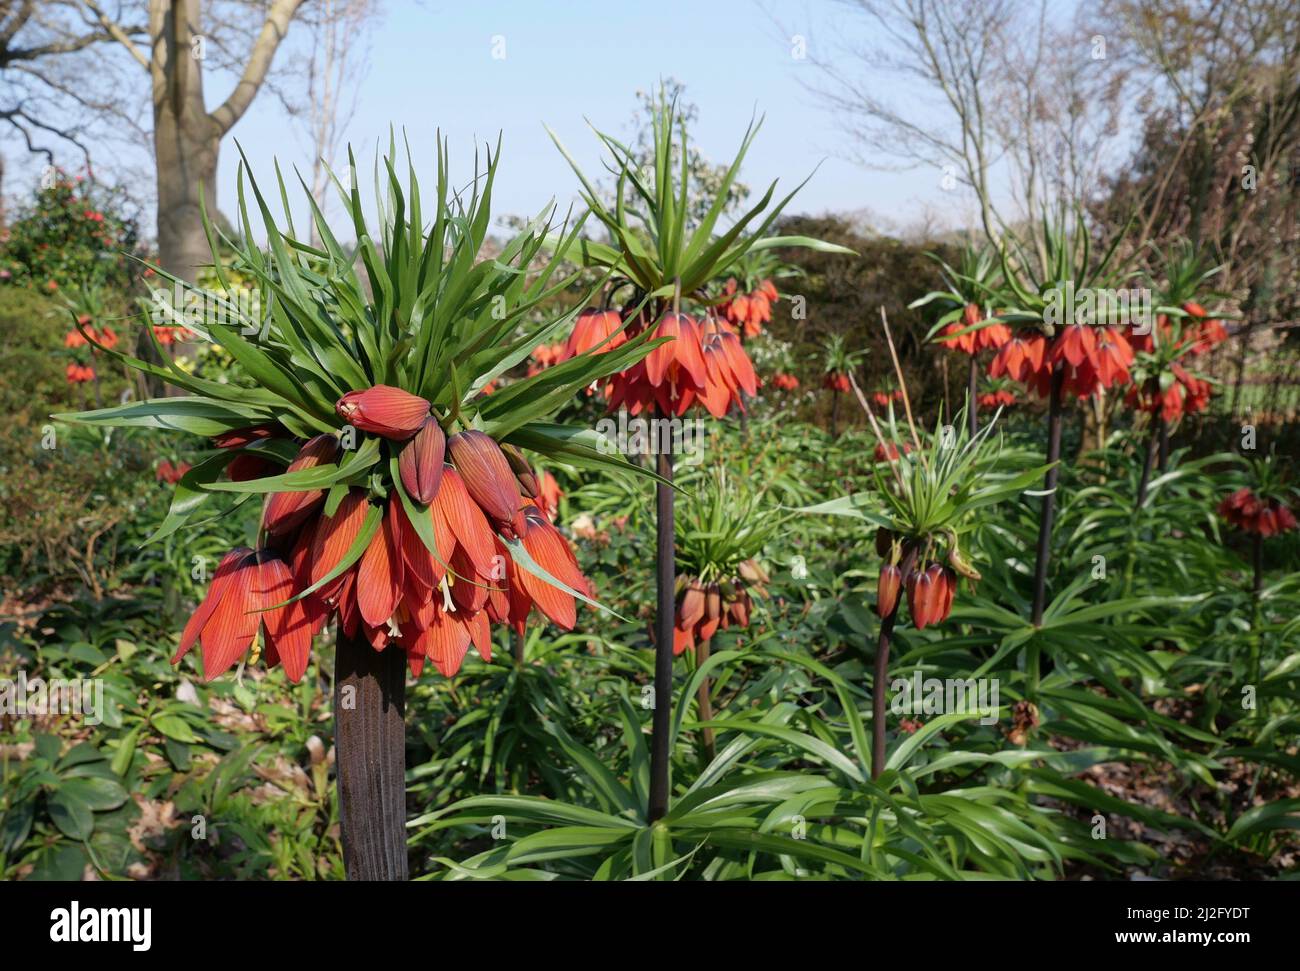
259	62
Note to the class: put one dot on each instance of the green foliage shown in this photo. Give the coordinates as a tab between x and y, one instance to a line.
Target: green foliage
74	234
657	242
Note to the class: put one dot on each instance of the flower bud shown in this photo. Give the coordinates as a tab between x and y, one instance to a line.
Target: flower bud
528	481
487	476
421	462
948	589
921	599
887	589
249	466
691	608
384	410
739	610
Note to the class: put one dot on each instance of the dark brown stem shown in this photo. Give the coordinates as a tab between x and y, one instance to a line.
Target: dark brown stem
1055	416
1163	427
880	673
370	741
517	642
704	700
665	579
1153	446
835	414
741	396
972	383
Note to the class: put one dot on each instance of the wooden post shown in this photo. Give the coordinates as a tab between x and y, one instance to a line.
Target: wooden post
370	748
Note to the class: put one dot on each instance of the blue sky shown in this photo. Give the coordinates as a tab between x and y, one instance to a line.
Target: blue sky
432	65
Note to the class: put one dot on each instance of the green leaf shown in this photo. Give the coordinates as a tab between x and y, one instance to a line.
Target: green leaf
70	813
175	727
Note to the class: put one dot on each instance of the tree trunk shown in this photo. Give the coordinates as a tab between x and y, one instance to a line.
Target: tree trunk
186	138
186	151
370	748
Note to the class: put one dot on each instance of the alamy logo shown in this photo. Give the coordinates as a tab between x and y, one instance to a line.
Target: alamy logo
948	696
79	696
120	924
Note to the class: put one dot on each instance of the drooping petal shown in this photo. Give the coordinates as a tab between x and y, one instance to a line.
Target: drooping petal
446	641
379	576
229	633
548	549
335	534
465	520
216	589
286	510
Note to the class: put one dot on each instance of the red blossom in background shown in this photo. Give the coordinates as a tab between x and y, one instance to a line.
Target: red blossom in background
591	329
1205	332
994	399
784	381
989	337
1186	395
836	381
702	362
548	495
888	451
545	356
1092	358
79	373
749	311
705	608
1254	514
171	474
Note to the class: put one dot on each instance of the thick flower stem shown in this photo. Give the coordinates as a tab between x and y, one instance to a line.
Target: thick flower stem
1153	446
1257	588
1163	427
880	674
972	384
704	701
744	415
835	414
1055	416
665	579
1257	561
370	740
